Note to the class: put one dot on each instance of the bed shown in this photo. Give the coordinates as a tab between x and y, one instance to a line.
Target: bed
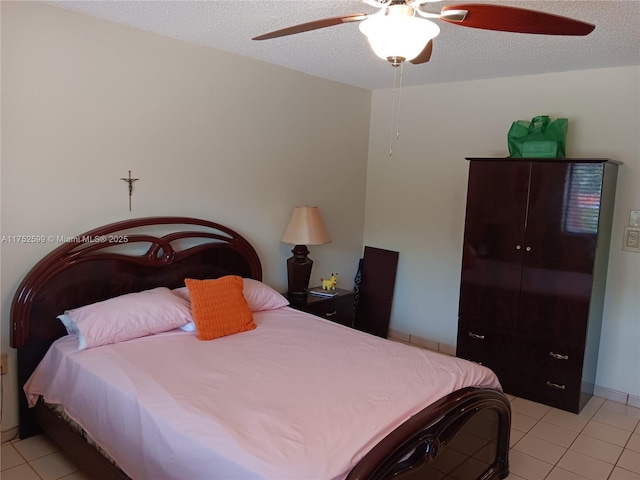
325	401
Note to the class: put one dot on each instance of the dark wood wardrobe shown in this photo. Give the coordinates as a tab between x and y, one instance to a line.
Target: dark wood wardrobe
534	266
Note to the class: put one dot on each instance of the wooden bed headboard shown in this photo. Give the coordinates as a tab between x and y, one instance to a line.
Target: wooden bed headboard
119	258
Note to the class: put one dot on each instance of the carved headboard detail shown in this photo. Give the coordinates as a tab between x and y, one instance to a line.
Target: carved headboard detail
120	258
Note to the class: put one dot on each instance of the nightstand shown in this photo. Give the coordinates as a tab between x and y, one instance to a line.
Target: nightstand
338	309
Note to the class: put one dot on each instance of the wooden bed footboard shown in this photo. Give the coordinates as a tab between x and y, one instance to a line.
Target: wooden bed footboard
463	435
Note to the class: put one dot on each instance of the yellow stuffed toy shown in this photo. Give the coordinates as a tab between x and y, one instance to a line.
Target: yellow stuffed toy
330	283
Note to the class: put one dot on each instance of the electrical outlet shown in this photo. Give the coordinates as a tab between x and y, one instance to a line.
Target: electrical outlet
3	364
631	239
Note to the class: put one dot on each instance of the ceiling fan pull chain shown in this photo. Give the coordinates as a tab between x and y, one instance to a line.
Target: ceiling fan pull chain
397	88
393	109
399	101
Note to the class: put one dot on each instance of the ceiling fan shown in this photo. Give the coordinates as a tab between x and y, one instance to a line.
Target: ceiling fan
403	30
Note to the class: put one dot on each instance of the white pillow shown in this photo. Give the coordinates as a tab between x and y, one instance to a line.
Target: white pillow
259	297
126	317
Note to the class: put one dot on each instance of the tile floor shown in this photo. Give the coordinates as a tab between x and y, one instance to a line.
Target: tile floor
36	458
601	443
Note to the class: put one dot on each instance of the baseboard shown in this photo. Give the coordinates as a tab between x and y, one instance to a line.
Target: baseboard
8	434
421	342
398	335
614	395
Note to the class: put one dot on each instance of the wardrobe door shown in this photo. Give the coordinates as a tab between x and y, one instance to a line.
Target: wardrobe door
493	239
560	243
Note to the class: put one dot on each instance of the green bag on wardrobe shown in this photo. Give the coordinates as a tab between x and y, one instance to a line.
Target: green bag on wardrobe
539	138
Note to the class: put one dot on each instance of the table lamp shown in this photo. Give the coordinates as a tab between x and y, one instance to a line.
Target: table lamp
305	228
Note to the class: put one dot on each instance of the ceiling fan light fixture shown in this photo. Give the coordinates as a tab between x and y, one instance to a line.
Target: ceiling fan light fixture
398	37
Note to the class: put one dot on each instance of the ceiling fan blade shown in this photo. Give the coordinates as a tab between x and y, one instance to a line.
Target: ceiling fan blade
514	19
424	55
316	24
377	3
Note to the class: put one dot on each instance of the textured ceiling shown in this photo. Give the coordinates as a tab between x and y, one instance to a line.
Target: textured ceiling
341	52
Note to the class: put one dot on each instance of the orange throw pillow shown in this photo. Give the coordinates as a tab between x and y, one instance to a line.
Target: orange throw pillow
219	307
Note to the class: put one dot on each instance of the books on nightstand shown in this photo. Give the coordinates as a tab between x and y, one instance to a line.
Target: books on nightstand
319	292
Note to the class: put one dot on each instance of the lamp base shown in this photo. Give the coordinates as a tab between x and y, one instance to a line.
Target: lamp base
299	271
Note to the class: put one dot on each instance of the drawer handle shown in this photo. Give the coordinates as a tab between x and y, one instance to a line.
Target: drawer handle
331	314
557	356
555	385
476	336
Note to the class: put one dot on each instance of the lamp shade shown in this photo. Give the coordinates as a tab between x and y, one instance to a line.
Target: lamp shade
398	36
306	228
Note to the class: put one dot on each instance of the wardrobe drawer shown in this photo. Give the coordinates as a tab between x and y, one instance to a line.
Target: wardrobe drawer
559	376
557	357
487	345
555	388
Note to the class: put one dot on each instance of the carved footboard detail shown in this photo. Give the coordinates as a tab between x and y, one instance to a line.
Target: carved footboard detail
464	435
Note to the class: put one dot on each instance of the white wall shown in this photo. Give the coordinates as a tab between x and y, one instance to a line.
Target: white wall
416	198
208	134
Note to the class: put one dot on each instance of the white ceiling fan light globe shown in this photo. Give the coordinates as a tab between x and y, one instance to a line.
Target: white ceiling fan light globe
398	36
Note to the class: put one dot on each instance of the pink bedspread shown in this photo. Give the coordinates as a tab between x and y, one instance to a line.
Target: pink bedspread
297	398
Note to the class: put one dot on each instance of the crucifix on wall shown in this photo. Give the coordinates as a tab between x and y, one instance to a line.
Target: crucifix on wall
130	182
